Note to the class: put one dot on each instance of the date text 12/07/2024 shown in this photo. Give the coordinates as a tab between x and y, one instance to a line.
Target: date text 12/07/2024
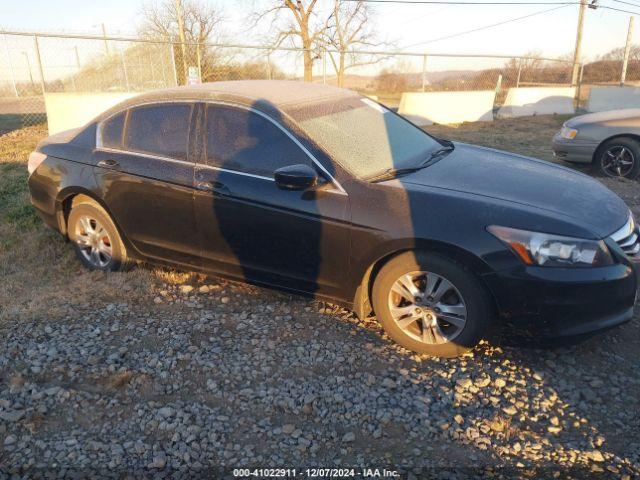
315	473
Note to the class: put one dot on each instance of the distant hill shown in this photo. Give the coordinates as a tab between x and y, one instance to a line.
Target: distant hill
368	82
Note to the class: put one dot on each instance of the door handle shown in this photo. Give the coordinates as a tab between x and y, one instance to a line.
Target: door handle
112	164
212	186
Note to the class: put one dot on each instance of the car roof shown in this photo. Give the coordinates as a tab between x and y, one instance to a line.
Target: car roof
264	95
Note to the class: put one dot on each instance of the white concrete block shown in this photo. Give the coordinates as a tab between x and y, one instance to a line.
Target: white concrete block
529	101
427	108
71	110
612	98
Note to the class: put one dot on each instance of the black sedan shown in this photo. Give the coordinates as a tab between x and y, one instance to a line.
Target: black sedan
321	191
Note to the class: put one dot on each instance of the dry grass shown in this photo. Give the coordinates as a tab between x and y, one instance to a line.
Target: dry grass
40	274
526	136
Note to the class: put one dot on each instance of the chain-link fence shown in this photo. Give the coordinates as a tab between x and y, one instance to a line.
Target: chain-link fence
32	65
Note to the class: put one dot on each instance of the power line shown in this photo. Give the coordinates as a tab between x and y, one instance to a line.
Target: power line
461	2
628	3
619	9
429	14
485	27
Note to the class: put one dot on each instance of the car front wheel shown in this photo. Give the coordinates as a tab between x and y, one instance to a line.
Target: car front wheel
430	304
95	237
620	157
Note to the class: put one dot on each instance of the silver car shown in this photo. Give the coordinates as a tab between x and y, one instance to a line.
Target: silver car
610	140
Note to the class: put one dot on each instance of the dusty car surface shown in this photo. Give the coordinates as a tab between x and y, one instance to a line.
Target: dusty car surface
321	191
609	140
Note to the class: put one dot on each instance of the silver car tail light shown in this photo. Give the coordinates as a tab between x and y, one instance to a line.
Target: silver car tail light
628	237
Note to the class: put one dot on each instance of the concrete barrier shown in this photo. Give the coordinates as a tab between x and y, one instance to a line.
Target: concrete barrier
71	110
611	98
427	108
528	101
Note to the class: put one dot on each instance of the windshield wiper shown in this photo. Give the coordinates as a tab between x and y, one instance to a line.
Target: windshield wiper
436	153
391	173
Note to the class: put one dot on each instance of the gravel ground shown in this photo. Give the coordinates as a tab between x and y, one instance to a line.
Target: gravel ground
154	373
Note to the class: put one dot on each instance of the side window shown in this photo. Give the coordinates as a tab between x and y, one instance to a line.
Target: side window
161	129
111	131
244	141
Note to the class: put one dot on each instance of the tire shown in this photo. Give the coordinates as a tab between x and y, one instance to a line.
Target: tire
619	157
91	230
466	303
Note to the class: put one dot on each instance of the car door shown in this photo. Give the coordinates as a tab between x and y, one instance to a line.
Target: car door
251	228
145	170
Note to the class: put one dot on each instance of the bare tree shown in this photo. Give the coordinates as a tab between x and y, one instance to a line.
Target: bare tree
348	27
201	25
296	19
201	20
524	69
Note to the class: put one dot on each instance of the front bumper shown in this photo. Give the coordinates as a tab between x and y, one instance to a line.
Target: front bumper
573	150
557	302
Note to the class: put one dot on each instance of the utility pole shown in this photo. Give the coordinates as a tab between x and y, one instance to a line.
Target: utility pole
627	50
180	15
576	52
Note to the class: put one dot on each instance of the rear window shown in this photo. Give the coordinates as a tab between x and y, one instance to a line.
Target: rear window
111	131
159	130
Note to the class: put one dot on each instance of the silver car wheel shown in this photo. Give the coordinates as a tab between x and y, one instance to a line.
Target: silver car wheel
427	307
93	241
617	161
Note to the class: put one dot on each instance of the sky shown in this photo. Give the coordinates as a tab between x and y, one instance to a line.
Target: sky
551	34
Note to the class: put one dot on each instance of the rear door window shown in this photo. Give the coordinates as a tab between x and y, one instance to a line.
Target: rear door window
243	141
161	129
111	131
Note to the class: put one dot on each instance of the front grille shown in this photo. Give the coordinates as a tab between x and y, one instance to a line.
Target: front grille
627	237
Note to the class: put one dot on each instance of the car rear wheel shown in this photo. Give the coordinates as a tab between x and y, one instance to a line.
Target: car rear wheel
95	237
430	304
620	157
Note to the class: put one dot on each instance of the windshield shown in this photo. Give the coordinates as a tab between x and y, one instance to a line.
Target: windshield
364	137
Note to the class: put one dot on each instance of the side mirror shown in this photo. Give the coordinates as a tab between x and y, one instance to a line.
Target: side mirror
296	177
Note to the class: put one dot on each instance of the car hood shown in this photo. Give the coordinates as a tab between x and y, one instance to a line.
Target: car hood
525	181
607	116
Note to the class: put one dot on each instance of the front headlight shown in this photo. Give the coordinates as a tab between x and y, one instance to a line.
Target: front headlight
568	133
546	250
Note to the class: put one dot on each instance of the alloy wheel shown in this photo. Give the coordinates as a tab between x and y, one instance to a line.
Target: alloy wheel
427	307
617	161
93	241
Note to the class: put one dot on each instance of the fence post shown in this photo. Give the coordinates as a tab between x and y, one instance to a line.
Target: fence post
198	57
164	67
75	86
173	62
37	47
324	66
124	68
13	77
627	49
104	35
268	65
519	72
424	72
153	73
579	89
499	84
